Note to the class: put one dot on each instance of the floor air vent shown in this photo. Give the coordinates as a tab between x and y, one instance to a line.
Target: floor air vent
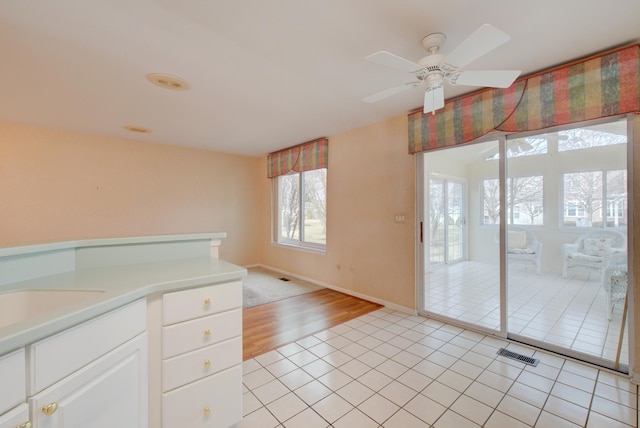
284	279
518	357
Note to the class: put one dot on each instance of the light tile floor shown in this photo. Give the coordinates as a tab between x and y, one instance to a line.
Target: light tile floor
569	312
390	369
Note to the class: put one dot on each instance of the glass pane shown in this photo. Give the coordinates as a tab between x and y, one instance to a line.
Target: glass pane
436	221
616	198
566	276
456	221
583	199
491	201
315	207
524	200
462	250
588	137
289	206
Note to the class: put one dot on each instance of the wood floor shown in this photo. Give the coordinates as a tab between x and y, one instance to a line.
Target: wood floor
267	327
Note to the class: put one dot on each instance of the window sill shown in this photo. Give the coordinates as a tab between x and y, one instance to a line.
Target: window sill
308	249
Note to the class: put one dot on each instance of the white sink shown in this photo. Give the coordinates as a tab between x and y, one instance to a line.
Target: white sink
19	306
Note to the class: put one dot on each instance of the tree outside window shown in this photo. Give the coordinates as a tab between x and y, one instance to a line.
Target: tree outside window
525	203
302	213
595	199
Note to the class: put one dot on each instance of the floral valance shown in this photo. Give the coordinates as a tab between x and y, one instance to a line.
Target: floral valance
600	86
303	157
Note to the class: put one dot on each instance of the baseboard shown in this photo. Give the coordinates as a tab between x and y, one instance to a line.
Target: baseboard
382	302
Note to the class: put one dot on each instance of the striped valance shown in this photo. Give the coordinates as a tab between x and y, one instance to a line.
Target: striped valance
604	85
303	157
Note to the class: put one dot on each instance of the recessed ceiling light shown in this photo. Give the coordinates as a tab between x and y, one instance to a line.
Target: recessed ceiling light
138	129
168	82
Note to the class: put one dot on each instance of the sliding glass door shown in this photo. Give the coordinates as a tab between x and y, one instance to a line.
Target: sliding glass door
567	217
558	278
461	282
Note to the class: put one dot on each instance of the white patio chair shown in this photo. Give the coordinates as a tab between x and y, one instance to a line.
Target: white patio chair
591	251
523	246
614	280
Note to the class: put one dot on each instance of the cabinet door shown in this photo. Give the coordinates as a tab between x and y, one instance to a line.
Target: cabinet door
15	418
110	392
12	380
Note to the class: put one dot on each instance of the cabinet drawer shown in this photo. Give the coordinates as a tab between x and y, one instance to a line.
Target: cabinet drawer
190	335
185	368
16	417
198	302
12	380
215	401
57	356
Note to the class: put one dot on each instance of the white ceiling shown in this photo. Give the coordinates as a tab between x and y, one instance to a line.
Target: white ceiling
264	74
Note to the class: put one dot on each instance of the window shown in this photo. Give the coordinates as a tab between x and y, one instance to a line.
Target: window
595	136
524	200
595	199
301	209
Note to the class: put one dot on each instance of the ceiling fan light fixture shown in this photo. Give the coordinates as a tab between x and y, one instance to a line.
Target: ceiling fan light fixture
435	69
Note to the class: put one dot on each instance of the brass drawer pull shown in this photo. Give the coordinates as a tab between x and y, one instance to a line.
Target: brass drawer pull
50	408
207	333
206	411
207	301
207	364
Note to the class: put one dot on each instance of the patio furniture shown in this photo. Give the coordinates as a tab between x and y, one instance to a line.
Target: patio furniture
614	280
591	251
523	246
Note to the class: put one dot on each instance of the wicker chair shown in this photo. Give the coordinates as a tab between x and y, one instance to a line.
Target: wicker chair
591	251
523	246
614	280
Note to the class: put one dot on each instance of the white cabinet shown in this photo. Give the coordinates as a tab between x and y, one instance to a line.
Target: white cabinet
16	418
57	356
109	392
93	374
202	357
14	412
12	380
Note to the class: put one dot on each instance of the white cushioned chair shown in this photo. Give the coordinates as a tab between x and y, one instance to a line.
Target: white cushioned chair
591	251
614	280
523	246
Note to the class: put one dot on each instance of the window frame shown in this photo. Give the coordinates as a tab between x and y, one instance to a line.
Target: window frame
276	229
604	203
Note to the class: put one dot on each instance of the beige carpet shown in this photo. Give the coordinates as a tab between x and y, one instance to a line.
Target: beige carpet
264	286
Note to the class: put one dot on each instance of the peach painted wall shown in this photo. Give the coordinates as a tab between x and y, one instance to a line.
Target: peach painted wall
370	179
59	186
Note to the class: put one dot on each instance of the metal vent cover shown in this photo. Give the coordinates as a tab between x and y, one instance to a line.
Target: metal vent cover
518	357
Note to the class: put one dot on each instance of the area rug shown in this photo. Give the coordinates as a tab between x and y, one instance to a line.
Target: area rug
265	286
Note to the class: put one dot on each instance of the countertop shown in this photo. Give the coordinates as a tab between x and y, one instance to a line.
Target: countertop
121	285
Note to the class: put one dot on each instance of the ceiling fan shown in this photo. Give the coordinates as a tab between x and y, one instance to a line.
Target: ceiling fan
434	69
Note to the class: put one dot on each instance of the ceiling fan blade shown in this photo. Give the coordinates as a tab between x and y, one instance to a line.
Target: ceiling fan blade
433	99
394	61
482	41
489	78
389	92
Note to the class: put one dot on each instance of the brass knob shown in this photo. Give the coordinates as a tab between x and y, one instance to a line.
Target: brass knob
207	332
206	411
207	364
207	301
50	408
